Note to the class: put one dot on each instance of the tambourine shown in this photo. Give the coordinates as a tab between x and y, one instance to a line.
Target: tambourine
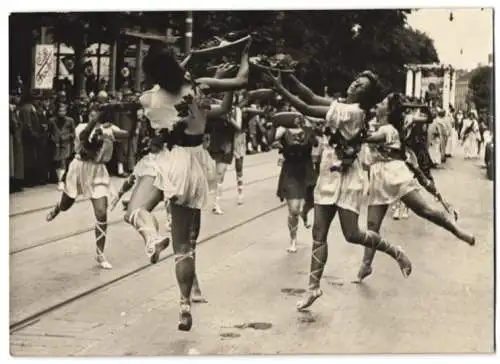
274	64
152	38
288	119
221	48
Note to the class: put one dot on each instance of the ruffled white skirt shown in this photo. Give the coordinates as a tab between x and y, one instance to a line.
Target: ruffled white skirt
389	181
145	166
184	174
344	190
87	179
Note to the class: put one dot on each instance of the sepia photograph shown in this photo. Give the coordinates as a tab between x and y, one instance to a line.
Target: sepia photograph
251	182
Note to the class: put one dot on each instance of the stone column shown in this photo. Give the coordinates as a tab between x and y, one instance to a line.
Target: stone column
446	89
112	68
138	65
453	88
409	83
189	32
418	84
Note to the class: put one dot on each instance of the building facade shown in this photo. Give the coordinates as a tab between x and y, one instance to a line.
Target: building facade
106	66
462	95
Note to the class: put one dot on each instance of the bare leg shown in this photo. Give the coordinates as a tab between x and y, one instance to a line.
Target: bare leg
100	210
293	222
183	222
323	216
143	200
376	215
371	239
126	186
238	165
64	205
397	210
221	172
420	207
196	295
307	206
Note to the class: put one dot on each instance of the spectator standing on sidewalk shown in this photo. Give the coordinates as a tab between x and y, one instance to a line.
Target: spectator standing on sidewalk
16	147
126	119
62	135
31	131
43	147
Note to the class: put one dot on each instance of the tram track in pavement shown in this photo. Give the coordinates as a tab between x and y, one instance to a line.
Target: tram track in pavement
85	230
78	201
35	317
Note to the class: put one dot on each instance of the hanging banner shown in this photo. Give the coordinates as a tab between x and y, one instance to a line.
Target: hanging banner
44	66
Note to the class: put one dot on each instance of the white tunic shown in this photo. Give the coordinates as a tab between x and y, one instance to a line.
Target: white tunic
335	188
390	179
183	173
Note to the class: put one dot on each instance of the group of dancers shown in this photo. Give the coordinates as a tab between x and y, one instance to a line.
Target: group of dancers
325	171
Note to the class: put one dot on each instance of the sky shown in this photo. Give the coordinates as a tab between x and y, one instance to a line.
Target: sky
471	30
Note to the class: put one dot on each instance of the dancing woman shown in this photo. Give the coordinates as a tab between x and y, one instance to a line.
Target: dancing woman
240	149
87	174
182	168
243	112
340	182
391	179
297	178
222	130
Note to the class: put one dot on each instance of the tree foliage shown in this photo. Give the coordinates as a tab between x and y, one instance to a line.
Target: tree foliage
332	46
481	88
330	51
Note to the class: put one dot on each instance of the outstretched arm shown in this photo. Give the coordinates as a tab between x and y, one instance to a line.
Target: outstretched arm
214	85
377	137
306	94
227	102
118	133
222	108
253	111
316	111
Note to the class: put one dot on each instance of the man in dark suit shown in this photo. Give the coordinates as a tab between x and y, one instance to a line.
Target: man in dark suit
30	124
126	119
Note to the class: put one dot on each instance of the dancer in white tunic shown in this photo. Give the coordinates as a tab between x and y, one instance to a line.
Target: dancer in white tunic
87	174
391	179
340	183
182	168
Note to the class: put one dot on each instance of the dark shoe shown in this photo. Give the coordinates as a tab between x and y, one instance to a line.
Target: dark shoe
185	318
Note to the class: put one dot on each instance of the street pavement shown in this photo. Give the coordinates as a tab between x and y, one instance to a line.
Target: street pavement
252	283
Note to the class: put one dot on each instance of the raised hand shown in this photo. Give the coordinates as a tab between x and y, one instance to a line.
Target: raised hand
269	77
223	70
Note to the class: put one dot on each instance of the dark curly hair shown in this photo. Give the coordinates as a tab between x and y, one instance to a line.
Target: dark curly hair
161	66
374	92
396	115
